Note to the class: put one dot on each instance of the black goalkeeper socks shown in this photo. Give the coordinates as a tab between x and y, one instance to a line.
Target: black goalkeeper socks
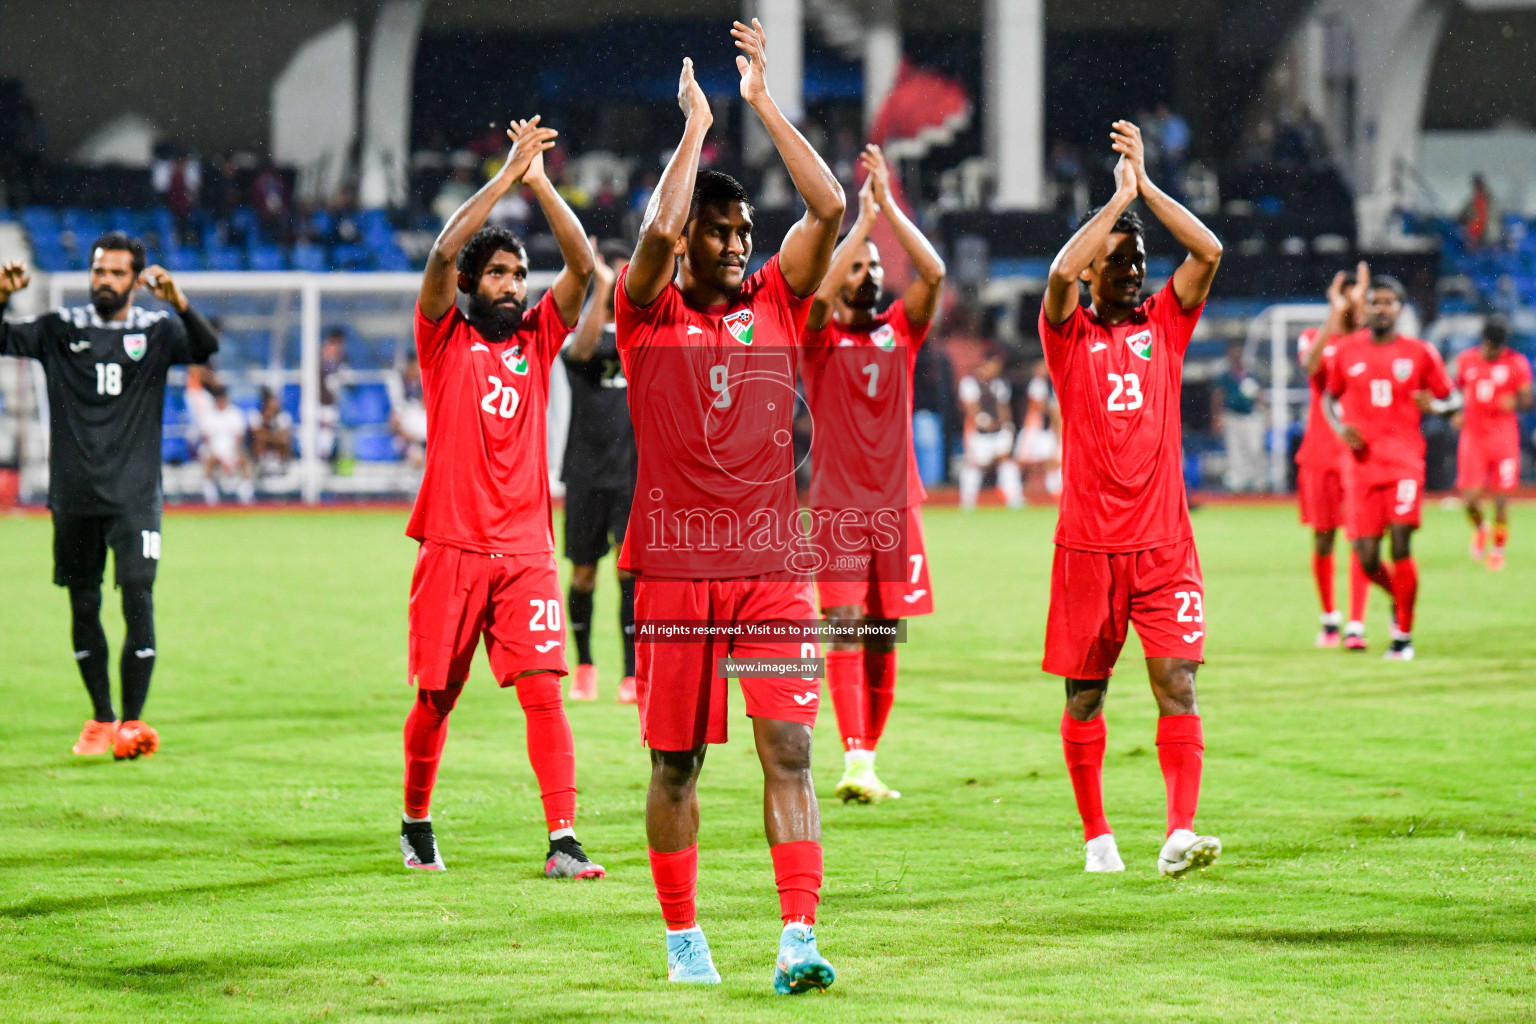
90	642
138	661
579	615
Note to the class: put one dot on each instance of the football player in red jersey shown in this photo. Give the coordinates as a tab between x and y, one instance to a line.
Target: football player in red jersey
1379	382
1125	553
1320	458
865	490
486	566
709	351
1495	382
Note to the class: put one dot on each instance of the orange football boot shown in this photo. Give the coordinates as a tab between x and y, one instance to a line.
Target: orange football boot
135	739
585	685
629	693
95	737
1496	559
1479	544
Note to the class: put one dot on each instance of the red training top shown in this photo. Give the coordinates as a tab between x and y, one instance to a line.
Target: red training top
486	484
1484	384
1121	449
858	384
1320	446
712	398
1375	384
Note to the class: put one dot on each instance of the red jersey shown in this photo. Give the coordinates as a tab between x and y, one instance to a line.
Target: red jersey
712	398
1375	385
1121	449
1320	446
1485	384
486	483
858	384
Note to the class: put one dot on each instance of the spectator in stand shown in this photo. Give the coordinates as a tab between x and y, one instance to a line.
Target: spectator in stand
177	179
987	400
1299	144
1478	220
222	431
935	416
408	411
344	217
271	435
1237	414
1171	133
333	377
1038	452
223	195
270	200
642	195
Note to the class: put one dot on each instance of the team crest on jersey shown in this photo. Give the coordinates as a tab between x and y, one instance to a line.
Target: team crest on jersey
1500	374
515	360
1141	343
1402	369
884	337
739	324
135	345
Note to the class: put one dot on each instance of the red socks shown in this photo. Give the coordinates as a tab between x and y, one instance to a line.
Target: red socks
797	871
1083	745
677	886
880	678
1359	586
1405	590
1181	753
426	728
1500	534
850	697
551	750
1322	572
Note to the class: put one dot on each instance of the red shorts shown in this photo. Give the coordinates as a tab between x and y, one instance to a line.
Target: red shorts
458	596
1320	494
682	700
1369	509
1487	465
888	580
1095	594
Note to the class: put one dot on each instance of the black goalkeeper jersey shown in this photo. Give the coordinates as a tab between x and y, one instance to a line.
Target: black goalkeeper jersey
600	448
106	395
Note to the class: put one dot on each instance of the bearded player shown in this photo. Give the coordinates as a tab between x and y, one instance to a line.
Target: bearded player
1125	552
1379	383
865	490
1495	383
106	364
710	360
486	566
1320	462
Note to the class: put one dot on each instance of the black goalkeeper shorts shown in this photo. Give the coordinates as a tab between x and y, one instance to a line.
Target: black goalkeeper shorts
592	516
80	546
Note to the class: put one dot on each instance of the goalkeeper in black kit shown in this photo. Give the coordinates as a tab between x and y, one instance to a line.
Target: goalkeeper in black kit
106	363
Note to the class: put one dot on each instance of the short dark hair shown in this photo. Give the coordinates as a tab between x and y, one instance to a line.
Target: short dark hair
712	187
1496	330
1391	284
117	241
484	244
1128	223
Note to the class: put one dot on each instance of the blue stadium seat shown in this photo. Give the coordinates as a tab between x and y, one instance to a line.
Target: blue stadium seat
374	445
38	219
175	449
175	412
178	258
293	396
351	257
365	405
250	401
223	257
391	257
267	257
310	257
54	258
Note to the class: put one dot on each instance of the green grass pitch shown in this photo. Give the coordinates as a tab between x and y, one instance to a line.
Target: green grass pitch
1380	856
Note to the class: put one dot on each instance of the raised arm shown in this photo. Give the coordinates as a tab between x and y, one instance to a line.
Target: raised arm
843	257
666	216
922	296
1192	281
575	250
1061	285
24	338
202	339
439	284
1342	303
589	330
807	248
